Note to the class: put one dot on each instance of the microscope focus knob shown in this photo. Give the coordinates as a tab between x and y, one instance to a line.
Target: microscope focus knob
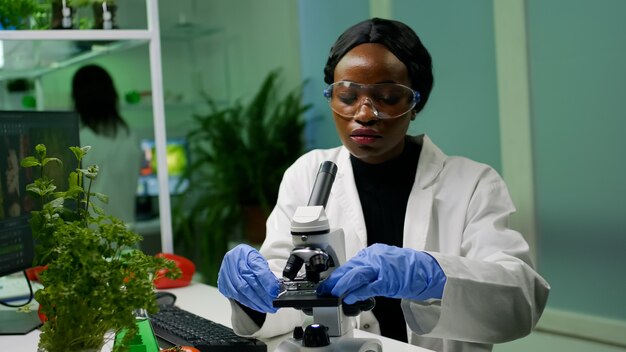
352	310
298	333
316	335
319	262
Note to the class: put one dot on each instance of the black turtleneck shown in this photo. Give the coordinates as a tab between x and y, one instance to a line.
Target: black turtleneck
384	193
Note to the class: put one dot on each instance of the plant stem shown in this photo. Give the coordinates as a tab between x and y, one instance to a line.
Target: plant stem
87	197
43	199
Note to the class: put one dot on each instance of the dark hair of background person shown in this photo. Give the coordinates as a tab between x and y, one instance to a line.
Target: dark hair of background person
400	39
96	100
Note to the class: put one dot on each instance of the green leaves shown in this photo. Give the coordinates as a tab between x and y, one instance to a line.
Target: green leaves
41	187
90	172
239	154
15	13
40	158
95	278
47	160
80	152
30	162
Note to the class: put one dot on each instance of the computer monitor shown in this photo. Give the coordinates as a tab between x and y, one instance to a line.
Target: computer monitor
20	131
177	157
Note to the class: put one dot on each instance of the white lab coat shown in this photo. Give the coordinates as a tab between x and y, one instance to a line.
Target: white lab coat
119	160
457	211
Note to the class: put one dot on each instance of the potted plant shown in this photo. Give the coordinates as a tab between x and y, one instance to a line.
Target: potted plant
239	154
94	278
15	14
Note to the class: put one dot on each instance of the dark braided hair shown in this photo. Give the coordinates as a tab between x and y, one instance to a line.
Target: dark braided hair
400	39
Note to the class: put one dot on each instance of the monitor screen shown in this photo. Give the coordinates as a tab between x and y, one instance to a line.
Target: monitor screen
177	160
20	131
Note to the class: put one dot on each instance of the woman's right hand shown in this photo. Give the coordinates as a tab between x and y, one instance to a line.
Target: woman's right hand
245	277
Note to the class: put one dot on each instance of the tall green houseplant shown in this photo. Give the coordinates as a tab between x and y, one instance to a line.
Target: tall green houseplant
239	154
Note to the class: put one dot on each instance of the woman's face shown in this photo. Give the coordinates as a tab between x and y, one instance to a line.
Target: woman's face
370	139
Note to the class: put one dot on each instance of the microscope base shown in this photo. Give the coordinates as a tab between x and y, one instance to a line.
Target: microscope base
337	344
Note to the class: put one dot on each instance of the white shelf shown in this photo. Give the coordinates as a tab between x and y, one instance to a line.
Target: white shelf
76	34
152	37
46	63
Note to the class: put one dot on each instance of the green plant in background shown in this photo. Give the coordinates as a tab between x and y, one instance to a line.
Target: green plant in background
41	17
94	279
239	154
16	13
46	14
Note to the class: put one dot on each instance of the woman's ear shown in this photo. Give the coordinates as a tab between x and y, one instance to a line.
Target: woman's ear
413	115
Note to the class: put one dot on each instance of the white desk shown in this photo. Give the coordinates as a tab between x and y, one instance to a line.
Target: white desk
207	302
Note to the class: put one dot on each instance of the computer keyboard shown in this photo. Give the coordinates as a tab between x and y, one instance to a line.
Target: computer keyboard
180	327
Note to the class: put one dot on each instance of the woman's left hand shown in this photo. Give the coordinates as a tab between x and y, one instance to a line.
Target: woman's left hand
388	271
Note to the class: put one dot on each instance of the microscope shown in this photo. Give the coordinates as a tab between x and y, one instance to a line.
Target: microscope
320	250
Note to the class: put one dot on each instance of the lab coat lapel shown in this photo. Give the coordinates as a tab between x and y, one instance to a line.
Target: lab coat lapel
419	207
417	218
420	204
349	204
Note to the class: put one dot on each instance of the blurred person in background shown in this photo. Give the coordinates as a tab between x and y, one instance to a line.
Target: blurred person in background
115	148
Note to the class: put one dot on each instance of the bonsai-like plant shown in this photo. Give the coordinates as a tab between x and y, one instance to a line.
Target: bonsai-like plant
94	279
239	154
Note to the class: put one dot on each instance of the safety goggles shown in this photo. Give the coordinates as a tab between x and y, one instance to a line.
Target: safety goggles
386	100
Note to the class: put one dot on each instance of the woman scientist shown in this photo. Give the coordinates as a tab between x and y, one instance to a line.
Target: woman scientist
427	232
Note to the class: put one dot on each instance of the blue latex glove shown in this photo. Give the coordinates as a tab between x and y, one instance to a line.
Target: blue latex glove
387	271
245	277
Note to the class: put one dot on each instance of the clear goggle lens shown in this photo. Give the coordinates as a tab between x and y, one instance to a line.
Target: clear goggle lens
387	100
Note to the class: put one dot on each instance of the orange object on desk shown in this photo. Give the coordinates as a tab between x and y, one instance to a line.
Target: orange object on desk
34	272
42	316
181	349
186	267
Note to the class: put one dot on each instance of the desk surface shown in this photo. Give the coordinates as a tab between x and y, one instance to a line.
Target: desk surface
207	302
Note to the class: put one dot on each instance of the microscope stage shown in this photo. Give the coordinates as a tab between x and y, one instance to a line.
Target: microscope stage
305	299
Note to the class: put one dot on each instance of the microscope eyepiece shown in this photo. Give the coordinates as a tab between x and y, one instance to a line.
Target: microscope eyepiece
323	183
